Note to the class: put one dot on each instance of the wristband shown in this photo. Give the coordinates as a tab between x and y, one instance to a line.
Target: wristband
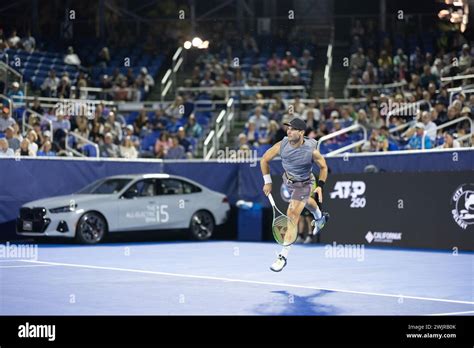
267	178
321	183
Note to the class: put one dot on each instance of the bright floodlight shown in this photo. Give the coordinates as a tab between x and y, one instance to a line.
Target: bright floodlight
204	45
197	42
187	45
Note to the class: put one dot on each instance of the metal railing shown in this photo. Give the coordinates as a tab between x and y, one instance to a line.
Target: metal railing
343	131
41	117
447	79
228	90
327	69
169	79
221	129
450	123
85	140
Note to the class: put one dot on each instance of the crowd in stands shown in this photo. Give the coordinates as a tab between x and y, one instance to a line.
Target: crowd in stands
120	80
163	133
251	62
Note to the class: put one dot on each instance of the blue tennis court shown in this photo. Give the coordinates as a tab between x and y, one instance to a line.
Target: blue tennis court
233	278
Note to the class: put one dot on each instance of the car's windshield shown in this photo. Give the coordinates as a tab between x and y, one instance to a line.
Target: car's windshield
105	186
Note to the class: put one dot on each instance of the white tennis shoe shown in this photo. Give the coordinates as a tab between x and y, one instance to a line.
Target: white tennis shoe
279	264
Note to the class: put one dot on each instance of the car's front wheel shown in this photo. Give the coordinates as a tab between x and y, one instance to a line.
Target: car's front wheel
202	225
91	228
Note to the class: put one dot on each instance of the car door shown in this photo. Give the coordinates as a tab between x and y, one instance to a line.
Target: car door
138	207
178	197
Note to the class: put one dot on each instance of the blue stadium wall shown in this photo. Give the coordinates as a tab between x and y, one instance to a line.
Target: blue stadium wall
411	202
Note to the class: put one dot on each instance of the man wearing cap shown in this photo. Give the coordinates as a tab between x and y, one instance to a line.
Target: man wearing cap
416	140
16	94
298	154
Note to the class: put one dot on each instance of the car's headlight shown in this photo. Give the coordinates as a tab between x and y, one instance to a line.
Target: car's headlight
65	209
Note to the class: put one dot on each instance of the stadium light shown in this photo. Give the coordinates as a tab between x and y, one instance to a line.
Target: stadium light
187	45
197	42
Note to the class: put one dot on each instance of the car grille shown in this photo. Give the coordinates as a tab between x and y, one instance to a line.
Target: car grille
36	217
33	214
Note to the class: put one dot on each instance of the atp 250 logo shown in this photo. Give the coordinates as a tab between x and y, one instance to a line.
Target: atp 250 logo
350	189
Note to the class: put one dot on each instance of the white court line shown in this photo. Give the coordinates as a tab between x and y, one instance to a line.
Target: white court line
454	313
248	282
24	266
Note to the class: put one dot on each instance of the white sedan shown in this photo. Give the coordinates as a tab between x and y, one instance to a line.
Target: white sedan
122	203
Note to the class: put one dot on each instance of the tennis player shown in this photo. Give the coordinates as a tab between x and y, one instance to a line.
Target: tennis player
297	154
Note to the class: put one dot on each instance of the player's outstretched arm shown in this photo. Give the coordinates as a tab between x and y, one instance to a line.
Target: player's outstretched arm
323	173
265	166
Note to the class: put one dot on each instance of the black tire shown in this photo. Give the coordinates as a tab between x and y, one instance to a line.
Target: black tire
91	228
202	225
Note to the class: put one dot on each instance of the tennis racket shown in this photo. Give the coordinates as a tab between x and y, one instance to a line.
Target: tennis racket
284	230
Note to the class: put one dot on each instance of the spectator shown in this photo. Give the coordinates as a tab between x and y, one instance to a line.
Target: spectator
5	151
252	133
144	82
372	145
6	120
25	149
162	145
358	61
46	150
400	58
108	148
175	110
127	149
450	142
71	58
274	62
104	57
465	59
50	85
29	43
375	120
306	61
34	140
330	107
188	149
241	141
13	142
175	151
192	128
16	94
415	142
115	127
64	87
270	136
133	137
429	126
61	123
260	120
14	40
36	107
370	77
428	77
140	122
289	61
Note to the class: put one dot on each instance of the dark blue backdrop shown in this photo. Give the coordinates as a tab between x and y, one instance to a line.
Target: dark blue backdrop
30	179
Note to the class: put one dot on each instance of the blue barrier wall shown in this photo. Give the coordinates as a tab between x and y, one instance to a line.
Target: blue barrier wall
30	179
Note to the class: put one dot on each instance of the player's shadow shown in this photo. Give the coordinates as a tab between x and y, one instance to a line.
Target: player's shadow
291	304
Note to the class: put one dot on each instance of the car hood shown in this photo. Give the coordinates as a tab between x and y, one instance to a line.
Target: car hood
61	201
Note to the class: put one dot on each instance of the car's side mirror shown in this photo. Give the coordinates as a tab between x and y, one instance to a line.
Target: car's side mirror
132	193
